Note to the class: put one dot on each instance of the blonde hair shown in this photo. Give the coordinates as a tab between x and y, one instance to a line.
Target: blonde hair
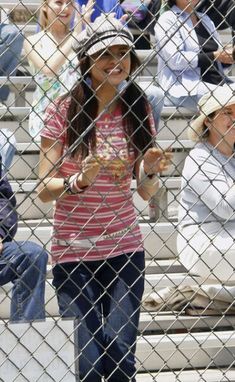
43	22
42	19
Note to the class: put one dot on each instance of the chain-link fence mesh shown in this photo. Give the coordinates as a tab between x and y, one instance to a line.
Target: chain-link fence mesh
75	221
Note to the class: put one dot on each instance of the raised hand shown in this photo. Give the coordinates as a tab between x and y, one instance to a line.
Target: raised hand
87	11
90	170
83	15
156	160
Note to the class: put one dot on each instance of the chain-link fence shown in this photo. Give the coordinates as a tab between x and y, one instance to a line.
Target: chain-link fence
116	191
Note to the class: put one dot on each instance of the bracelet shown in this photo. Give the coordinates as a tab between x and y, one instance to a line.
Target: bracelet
71	186
67	187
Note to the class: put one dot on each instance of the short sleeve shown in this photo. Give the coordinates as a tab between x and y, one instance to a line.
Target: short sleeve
55	121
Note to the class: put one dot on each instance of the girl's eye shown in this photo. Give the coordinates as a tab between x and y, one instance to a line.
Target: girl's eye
124	53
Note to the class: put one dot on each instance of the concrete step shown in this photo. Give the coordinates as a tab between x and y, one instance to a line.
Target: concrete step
11	4
39	351
50	356
178	322
185	351
199	375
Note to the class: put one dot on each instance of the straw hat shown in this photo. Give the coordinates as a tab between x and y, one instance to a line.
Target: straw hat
104	32
215	100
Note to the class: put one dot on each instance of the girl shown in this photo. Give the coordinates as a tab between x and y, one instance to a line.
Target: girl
92	142
50	55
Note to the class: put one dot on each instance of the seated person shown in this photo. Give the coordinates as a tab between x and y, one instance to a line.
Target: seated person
222	12
22	263
51	57
191	57
206	214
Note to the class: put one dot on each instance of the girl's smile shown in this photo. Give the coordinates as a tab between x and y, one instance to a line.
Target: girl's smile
110	66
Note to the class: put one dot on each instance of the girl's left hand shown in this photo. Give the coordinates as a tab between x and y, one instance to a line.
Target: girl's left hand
156	160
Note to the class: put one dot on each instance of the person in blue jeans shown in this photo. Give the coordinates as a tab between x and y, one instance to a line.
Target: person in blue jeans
22	263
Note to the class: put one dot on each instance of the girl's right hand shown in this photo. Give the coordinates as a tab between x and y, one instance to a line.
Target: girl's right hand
90	170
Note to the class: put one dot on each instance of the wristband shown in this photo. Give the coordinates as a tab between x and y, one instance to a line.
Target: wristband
71	186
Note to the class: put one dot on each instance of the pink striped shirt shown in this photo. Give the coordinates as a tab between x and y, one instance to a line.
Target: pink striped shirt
86	220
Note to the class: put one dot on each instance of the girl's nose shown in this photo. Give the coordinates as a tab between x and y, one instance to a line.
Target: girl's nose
114	57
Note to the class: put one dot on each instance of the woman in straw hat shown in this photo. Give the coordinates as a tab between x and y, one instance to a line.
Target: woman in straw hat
93	140
207	207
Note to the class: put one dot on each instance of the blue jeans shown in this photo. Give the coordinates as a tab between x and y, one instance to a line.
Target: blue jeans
8	148
105	297
24	264
155	97
11	42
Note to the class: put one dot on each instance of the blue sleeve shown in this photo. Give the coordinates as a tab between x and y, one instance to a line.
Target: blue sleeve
104	6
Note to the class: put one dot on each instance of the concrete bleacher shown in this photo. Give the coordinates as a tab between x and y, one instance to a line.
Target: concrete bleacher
171	345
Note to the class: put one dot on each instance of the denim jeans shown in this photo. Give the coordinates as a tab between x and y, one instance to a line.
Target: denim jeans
8	148
155	97
24	264
11	42
105	298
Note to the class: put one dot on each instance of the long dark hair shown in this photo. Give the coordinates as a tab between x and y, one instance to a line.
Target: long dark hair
83	110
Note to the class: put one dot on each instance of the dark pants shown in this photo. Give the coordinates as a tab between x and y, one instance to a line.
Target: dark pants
105	296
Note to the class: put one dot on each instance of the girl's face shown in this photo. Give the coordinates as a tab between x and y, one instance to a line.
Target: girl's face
61	10
222	127
111	65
